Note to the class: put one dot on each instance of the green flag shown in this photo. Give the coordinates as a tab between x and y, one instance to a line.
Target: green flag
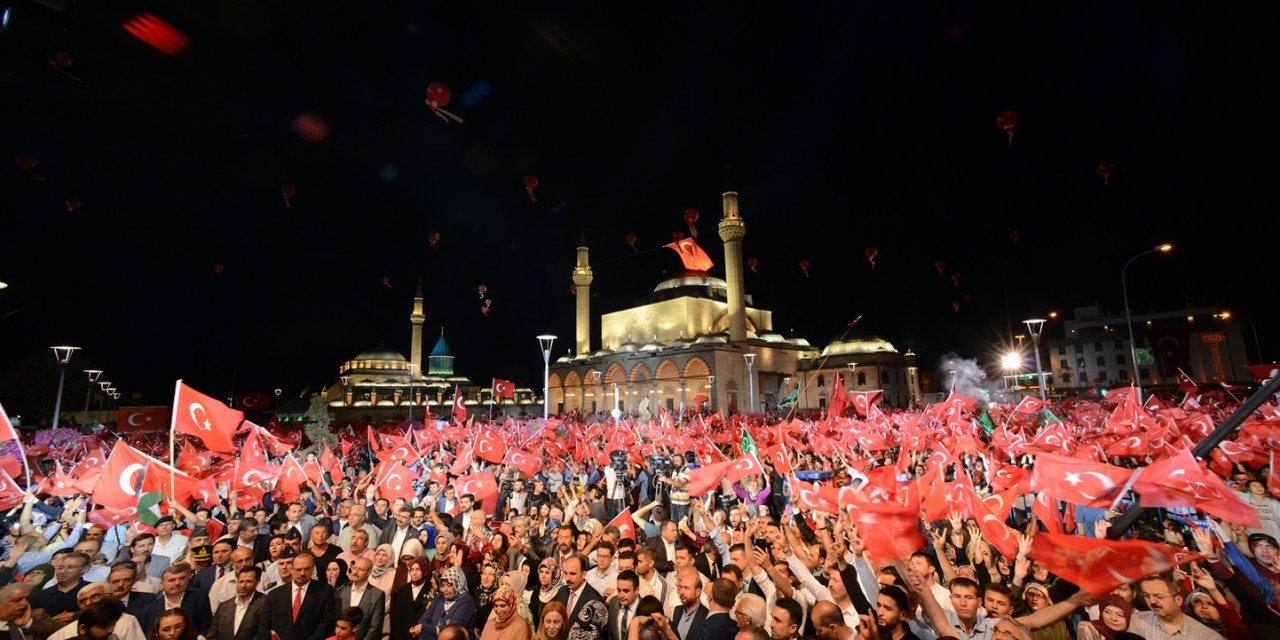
791	398
149	511
985	420
748	445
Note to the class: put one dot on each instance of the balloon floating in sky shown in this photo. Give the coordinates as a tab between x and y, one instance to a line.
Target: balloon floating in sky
804	266
871	253
157	33
677	236
1015	236
485	309
288	191
691	219
1007	120
483	289
437	97
60	61
940	266
473	95
631	242
753	263
432	239
573	289
968	298
311	127
73	205
955	304
217	268
1104	171
955	277
386	281
531	183
28	163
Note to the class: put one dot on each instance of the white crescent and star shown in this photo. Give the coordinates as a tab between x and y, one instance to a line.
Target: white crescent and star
202	424
1107	484
128	481
130	421
247	479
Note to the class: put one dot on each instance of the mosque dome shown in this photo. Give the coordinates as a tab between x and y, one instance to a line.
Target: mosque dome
380	354
695	284
858	344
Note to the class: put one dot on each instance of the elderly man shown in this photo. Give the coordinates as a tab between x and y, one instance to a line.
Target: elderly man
1166	619
356	522
123	578
15	610
174	595
359	548
224	588
360	594
59	601
127	627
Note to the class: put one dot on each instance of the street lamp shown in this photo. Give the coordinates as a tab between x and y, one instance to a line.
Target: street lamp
102	394
345	380
617	412
545	341
63	355
412	367
1128	316
1227	315
711	387
750	358
93	374
1035	326
1011	361
278	392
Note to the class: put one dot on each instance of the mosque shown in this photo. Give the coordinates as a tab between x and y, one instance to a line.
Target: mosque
382	385
701	343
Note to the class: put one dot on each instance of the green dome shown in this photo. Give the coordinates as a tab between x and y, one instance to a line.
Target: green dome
440	363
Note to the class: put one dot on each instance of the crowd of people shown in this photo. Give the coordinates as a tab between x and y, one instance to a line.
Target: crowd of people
644	546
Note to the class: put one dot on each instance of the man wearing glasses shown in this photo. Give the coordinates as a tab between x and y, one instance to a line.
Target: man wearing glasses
1165	618
127	627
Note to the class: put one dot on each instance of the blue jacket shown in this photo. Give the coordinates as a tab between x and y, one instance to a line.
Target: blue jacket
436	618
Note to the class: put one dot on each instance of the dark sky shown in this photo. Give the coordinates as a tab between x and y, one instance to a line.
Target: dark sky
842	125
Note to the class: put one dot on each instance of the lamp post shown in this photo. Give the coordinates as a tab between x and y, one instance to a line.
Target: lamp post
1035	326
617	412
545	341
1128	316
412	367
853	370
63	356
102	395
278	392
1227	315
93	374
750	359
711	387
345	380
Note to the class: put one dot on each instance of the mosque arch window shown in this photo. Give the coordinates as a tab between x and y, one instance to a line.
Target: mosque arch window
884	377
862	378
822	382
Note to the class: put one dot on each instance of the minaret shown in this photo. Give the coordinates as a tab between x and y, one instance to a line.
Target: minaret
732	231
416	319
582	281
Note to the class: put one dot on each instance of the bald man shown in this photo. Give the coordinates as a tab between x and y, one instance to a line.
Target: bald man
127	628
828	621
370	599
224	588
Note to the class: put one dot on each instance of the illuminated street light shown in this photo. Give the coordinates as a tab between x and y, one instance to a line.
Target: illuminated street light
1128	316
1011	361
63	355
545	341
1034	327
93	374
1227	315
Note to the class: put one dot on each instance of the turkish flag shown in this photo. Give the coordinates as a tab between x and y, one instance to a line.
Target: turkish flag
398	453
865	401
778	455
1180	482
331	464
373	438
10	495
194	461
707	478
745	466
1264	372
60	484
292	475
1000	504
245	474
121	477
1137	445
626	526
462	463
504	388
839	398
888	529
1099	565
693	257
1046	510
477	485
253	401
1028	405
459	406
1273	477
107	517
489	446
1079	481
527	463
214	423
132	419
1008	477
397	482
252	450
992	512
1186	383
809	498
90	465
7	432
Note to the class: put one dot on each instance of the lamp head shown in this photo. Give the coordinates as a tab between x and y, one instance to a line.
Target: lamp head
63	353
93	374
1164	248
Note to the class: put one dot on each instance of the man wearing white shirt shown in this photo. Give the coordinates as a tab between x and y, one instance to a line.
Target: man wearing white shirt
369	599
622	607
399	531
169	544
224	588
651	582
605	574
466	511
127	628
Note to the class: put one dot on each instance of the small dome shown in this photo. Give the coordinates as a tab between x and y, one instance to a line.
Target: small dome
652	346
601	353
628	347
711	339
678	343
799	342
380	354
858	344
692	279
564	359
769	336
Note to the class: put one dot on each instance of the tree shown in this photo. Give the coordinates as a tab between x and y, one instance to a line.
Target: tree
318	421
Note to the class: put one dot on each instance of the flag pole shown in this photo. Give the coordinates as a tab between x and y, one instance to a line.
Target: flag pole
492	383
17	438
173	423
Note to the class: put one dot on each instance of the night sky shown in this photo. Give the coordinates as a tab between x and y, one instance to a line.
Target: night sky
842	126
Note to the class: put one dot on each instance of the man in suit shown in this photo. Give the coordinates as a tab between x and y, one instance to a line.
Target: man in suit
664	547
122	578
249	538
302	609
220	565
298	519
690	614
370	599
175	594
397	532
622	607
225	587
718	623
576	592
238	618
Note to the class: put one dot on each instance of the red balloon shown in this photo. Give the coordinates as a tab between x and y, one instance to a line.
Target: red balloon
631	240
386	281
871	253
530	183
753	263
73	205
1015	236
1007	120
955	277
482	288
27	163
1105	170
939	265
288	191
677	236
432	239
804	266
690	216
312	127
955	304
437	95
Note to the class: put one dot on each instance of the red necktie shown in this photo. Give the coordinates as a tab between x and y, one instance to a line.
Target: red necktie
297	602
219	573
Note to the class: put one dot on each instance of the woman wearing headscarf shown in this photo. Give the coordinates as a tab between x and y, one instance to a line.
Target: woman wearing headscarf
409	601
516	580
452	606
383	576
335	573
1036	596
1212	610
410	551
1112	623
505	623
490	579
549	584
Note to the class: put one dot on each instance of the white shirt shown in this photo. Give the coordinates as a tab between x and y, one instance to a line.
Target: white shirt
127	628
624	615
356	596
241	609
174	550
397	540
603	582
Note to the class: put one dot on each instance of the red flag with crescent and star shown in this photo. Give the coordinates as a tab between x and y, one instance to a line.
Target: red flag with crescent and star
121	476
778	455
1099	565
693	257
527	463
397	482
459	407
504	388
253	402
141	419
1079	481
478	485
7	432
626	526
489	446
196	414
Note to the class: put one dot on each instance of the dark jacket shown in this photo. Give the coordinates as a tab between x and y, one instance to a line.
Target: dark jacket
372	603
316	617
406	610
713	627
224	620
195	603
436	618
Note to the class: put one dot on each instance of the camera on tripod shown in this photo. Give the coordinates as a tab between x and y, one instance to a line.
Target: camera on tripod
619	460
